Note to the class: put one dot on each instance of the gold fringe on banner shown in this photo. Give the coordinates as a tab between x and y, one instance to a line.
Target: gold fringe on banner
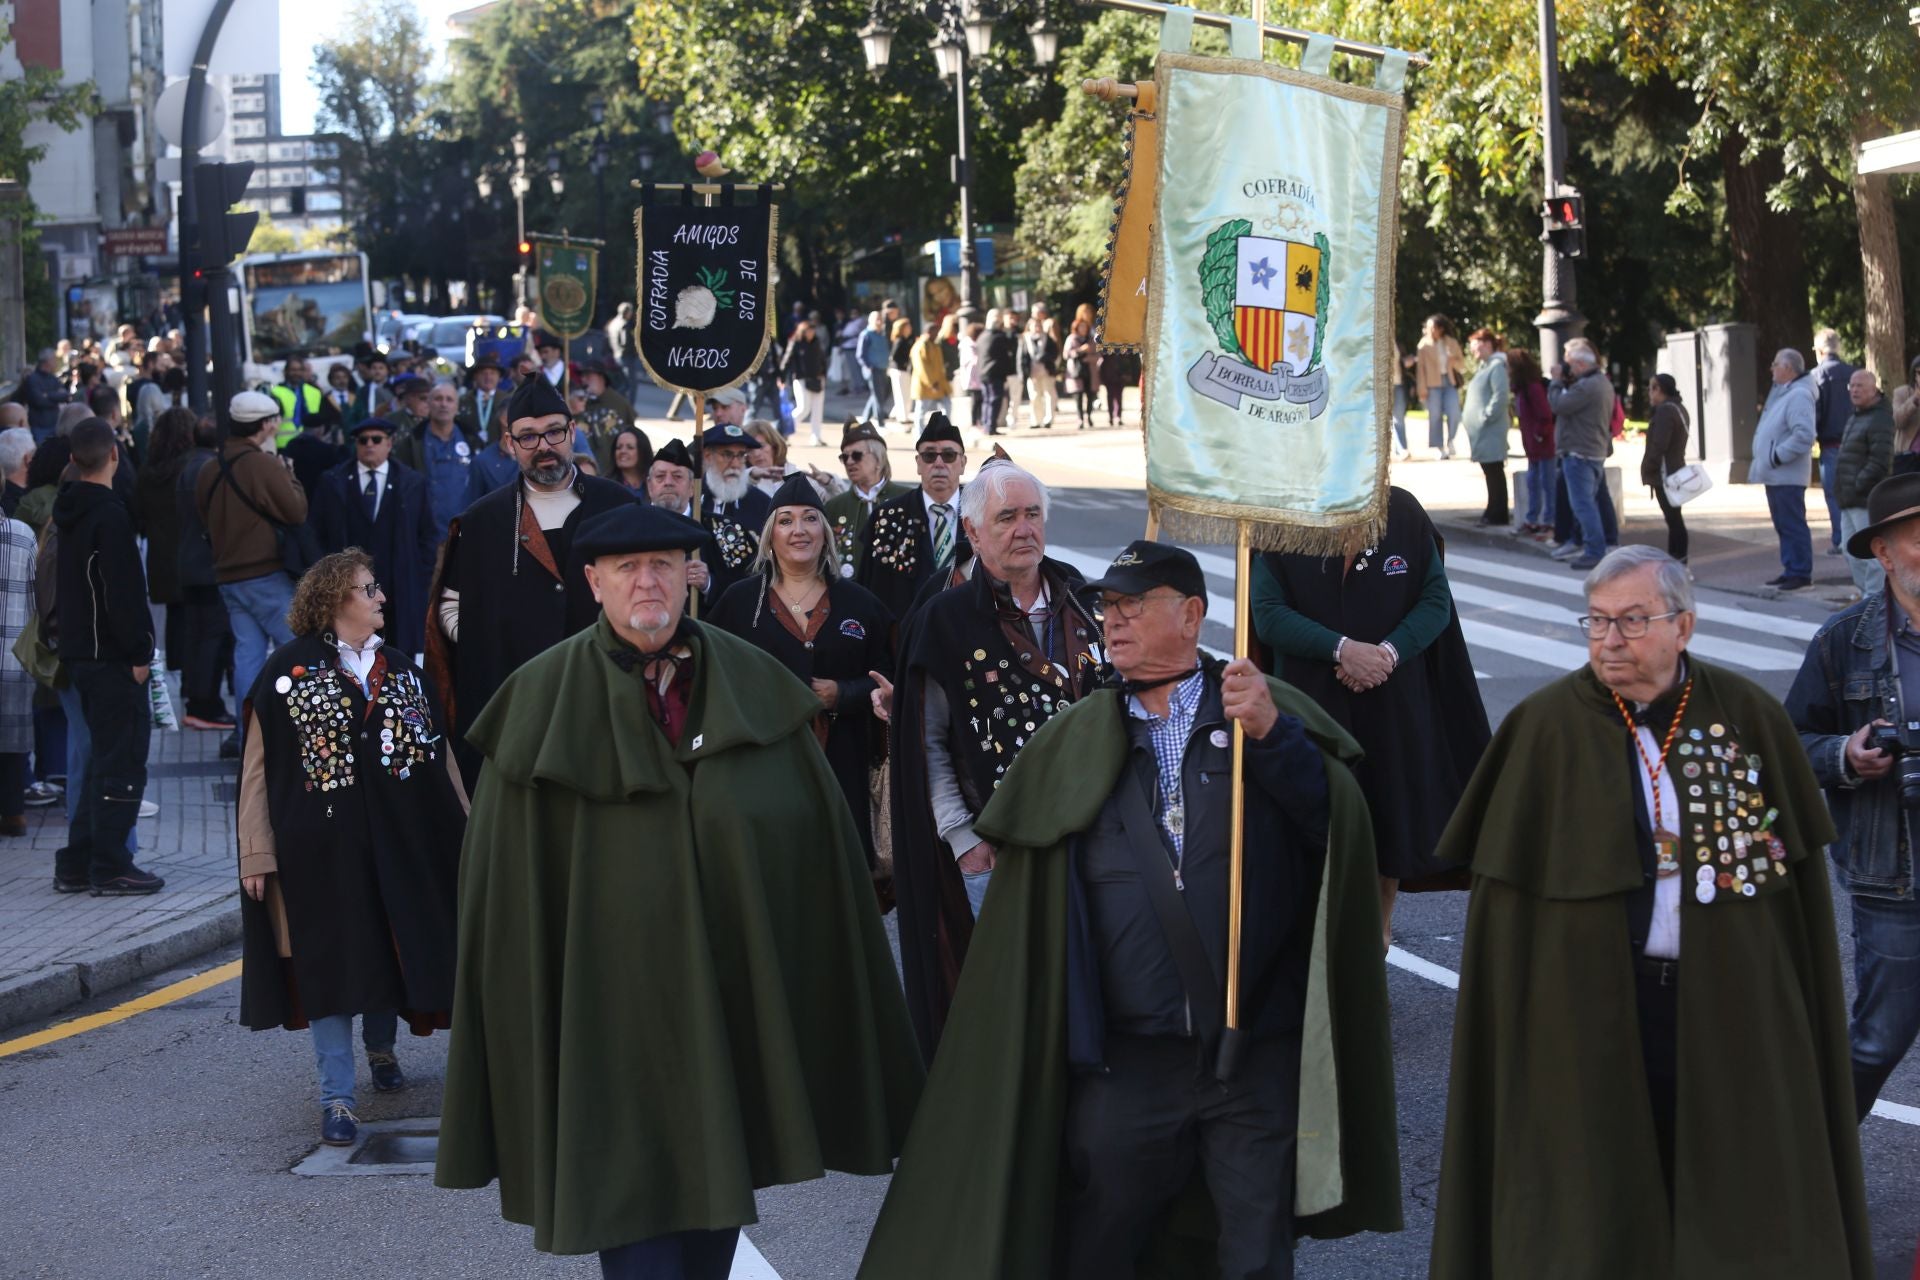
766	334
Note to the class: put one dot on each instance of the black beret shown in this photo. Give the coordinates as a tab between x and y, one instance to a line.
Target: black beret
798	491
727	436
372	424
636	526
938	428
675	452
535	398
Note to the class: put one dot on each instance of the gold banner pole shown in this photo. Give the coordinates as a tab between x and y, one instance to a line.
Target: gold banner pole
1230	1039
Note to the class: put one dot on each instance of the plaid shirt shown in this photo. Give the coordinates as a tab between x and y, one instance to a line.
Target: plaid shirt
17	552
1169	734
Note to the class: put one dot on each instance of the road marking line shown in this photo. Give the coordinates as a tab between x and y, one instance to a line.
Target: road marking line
119	1013
1754	657
1438	973
750	1264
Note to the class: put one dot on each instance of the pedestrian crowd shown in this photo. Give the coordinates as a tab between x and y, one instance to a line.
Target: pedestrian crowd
609	758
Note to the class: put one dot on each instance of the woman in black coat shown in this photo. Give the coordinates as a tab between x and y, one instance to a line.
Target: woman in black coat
350	820
828	630
1666	453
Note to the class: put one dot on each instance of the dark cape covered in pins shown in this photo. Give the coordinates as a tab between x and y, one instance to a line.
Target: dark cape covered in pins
359	914
1550	1166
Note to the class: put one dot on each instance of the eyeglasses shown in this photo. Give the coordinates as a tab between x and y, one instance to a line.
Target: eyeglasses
940	455
368	437
371	590
1131	607
1632	625
852	456
532	439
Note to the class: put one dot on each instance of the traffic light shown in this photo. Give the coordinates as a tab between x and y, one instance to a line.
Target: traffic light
223	234
526	252
1563	224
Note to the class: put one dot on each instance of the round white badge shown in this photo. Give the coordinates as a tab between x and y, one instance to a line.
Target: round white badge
1218	738
846	571
462	448
283	684
1704	891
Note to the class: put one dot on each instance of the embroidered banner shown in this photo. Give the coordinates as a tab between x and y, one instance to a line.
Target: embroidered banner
568	273
1269	298
705	292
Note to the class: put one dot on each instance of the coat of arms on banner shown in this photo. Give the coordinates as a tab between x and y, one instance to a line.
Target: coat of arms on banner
1266	302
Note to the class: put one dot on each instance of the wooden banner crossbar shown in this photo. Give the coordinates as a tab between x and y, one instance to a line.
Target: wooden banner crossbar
1268	30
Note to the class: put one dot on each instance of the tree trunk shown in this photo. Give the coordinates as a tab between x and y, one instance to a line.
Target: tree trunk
1880	268
1769	269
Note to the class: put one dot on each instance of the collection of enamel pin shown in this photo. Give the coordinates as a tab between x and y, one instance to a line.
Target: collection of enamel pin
1733	844
1018	703
737	544
321	709
895	538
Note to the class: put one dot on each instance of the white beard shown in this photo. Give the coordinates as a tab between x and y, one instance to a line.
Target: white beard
724	490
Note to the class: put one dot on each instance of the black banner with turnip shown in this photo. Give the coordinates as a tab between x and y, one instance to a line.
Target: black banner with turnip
705	289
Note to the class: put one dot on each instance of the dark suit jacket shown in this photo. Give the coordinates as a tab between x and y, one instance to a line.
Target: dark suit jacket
401	541
469	415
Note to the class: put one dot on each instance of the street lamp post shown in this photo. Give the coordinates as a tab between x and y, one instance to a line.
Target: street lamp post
1559	319
963	30
520	184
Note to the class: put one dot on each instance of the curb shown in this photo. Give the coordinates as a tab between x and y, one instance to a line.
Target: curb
49	989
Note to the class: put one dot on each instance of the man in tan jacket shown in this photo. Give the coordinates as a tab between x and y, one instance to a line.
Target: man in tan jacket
244	500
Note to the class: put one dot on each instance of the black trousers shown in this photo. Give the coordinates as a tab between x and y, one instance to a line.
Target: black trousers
684	1255
993	405
1496	474
1676	524
1659	1010
1137	1131
205	648
120	720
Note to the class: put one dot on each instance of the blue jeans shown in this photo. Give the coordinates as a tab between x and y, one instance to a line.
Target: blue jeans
333	1049
876	406
1585	479
976	889
684	1255
1443	405
257	608
1886	1008
1400	415
1829	464
1788	505
79	751
1542	476
921	408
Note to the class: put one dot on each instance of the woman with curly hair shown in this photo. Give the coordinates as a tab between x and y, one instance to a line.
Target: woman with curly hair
350	820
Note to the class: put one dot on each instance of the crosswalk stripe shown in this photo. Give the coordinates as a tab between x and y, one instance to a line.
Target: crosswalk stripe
1566	584
750	1264
1737	653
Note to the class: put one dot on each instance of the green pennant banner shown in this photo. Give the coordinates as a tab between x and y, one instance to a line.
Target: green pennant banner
568	271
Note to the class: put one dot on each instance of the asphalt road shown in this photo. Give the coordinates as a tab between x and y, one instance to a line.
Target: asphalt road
161	1145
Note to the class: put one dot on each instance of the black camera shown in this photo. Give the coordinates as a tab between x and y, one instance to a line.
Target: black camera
1902	742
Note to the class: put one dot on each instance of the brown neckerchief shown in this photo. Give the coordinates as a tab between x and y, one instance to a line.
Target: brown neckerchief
1072	629
532	537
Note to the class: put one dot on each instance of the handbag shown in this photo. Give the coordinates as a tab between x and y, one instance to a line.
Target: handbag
1686	484
299	546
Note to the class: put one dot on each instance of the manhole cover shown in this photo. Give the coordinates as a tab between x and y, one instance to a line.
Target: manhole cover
405	1146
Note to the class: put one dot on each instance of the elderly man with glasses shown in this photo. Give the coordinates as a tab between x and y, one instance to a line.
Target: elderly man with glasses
508	585
863	452
911	537
1650	1023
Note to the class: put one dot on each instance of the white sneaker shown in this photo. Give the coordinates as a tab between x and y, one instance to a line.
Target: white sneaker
1566	551
148	809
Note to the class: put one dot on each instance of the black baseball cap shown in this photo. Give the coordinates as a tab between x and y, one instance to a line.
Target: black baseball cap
1145	565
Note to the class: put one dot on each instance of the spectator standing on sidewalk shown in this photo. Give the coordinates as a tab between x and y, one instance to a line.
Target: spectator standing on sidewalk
1437	382
967	378
1832	408
106	642
999	366
1865	458
932	392
1529	391
874	352
1906	415
244	497
1666	453
1039	361
1488	414
1783	461
900	371
1081	358
620	347
206	634
1582	403
17	556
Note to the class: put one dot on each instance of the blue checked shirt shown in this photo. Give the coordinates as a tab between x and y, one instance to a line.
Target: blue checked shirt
1169	734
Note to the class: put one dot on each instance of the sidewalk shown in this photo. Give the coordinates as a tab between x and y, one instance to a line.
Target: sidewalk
57	949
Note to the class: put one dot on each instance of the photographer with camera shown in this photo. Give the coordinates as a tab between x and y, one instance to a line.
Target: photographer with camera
1856	703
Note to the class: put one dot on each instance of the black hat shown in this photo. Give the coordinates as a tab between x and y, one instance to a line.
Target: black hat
486	360
636	526
675	452
855	432
938	428
542	340
535	398
405	384
374	424
1145	565
363	352
798	491
602	367
1893	501
727	436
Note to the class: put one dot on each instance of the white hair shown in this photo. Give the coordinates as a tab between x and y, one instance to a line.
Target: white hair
1580	351
1792	359
991	483
1669	575
1828	341
15	444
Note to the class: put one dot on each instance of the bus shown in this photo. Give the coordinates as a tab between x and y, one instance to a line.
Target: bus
314	304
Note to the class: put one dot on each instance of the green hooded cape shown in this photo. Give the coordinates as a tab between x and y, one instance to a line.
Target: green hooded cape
977	1188
1550	1166
673	986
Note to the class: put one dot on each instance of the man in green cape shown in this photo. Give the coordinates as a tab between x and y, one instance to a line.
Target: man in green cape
672	986
1650	1065
1081	1119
